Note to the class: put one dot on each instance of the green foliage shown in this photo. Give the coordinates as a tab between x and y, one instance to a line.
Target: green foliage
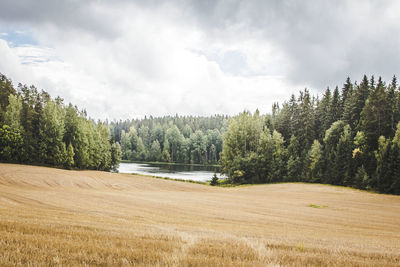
12	116
383	169
294	164
317	206
337	154
155	151
361	178
37	129
391	177
69	157
51	132
240	145
315	162
344	158
272	154
346	138
375	117
6	89
181	139
116	156
214	180
198	147
11	144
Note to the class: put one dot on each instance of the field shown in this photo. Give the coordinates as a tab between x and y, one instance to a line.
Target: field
58	217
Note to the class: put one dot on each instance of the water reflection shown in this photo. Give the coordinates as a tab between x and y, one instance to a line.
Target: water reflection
175	171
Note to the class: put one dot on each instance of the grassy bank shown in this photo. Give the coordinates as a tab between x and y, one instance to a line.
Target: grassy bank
171	179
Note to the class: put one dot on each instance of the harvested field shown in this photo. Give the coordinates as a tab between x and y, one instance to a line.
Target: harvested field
58	217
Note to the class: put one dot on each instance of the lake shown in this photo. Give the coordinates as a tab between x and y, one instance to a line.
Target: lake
174	171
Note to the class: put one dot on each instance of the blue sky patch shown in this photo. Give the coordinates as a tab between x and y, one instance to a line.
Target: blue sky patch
17	37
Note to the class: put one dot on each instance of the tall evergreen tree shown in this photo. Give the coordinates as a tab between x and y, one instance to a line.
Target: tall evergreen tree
360	97
393	107
295	162
347	90
335	107
375	120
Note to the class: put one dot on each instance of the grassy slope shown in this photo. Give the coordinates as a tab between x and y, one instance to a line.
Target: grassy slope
52	216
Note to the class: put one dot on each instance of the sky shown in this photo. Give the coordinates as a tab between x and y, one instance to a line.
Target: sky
126	59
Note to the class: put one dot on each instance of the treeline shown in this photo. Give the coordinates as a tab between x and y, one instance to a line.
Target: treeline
181	139
348	137
34	128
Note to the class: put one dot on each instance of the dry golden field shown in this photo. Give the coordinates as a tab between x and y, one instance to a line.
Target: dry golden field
58	217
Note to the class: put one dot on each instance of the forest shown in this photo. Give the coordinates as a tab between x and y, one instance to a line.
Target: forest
36	129
349	137
180	139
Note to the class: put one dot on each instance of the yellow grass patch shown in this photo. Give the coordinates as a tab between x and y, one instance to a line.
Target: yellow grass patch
57	217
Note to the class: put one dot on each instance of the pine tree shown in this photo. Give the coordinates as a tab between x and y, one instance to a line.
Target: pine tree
325	113
360	97
214	180
283	122
394	164
305	129
361	178
332	173
393	108
383	170
344	158
335	107
294	163
347	90
375	120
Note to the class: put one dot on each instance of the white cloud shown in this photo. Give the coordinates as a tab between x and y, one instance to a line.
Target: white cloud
157	65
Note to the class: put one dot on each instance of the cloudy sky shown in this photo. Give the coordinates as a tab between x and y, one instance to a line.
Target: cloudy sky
125	59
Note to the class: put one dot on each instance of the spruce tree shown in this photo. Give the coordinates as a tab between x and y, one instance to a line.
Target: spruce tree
360	97
335	107
375	120
346	92
383	171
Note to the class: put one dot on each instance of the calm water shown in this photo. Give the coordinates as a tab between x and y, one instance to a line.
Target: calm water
195	173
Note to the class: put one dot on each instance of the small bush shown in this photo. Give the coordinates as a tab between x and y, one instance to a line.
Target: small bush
214	180
317	206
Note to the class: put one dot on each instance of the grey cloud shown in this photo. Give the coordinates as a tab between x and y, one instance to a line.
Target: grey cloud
324	41
68	15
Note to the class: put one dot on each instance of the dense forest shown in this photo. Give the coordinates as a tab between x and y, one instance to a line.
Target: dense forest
182	139
36	129
348	137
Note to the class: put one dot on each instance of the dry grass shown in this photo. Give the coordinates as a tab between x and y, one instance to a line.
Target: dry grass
58	217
